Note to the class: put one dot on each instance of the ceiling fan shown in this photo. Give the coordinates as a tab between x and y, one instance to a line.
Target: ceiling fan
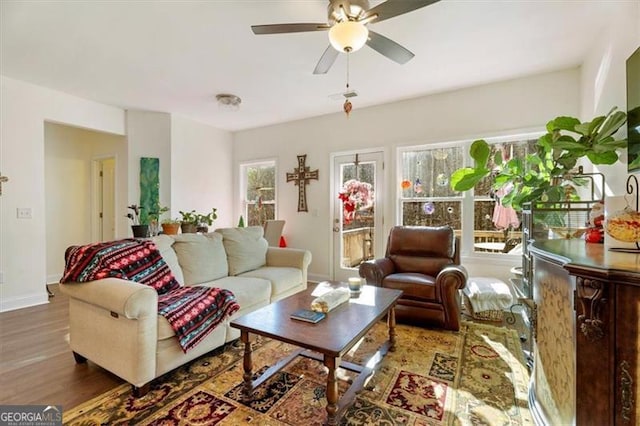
348	32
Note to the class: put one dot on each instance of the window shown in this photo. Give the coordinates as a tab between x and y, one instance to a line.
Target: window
258	192
426	197
497	228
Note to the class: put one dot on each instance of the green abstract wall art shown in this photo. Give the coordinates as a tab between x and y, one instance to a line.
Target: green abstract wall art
149	187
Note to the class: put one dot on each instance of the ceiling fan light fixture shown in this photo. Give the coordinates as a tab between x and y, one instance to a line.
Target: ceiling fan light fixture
348	36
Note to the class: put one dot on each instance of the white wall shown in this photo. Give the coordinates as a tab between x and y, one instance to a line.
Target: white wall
24	110
202	176
484	111
603	79
149	135
69	153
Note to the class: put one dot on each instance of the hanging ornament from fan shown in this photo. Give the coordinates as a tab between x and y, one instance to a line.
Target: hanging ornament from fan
347	107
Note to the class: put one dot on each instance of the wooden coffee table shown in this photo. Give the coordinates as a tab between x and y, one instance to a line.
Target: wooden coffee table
326	341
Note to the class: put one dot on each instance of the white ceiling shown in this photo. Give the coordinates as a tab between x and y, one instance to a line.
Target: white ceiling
175	56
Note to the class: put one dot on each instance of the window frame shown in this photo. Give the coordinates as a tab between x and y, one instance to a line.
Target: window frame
244	202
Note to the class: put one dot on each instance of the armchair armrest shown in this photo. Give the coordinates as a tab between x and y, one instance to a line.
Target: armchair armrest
451	279
127	298
374	271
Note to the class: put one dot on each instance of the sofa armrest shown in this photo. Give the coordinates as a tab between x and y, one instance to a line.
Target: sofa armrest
374	271
127	298
290	257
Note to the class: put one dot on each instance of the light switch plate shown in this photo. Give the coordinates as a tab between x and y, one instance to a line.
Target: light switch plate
24	213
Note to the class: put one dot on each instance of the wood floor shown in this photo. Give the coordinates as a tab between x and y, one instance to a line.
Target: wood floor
36	364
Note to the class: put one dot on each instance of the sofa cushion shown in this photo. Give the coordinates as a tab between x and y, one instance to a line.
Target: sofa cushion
246	248
414	286
201	257
164	244
251	293
282	279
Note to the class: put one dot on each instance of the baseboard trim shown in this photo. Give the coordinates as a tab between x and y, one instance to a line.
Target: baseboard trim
317	278
54	278
13	303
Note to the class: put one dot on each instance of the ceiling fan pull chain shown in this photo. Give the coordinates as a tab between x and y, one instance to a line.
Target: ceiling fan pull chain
348	54
347	107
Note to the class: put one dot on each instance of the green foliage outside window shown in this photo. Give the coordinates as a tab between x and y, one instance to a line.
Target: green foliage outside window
260	193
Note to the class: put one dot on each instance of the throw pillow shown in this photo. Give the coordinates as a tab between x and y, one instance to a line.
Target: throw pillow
246	248
164	244
201	257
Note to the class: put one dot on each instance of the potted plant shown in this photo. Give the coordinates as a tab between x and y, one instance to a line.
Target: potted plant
189	222
139	230
154	219
170	226
548	175
206	220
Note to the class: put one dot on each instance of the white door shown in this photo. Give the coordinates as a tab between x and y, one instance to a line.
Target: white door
104	205
357	219
108	199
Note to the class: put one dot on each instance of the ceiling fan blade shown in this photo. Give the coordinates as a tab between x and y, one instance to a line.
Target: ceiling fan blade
326	60
388	48
391	8
288	28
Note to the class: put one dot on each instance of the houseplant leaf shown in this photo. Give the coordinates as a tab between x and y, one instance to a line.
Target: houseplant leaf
480	152
562	123
609	157
595	124
466	178
611	125
568	143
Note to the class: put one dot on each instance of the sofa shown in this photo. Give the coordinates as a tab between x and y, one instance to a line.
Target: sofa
115	323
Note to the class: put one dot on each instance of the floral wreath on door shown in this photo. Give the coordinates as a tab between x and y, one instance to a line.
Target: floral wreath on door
355	196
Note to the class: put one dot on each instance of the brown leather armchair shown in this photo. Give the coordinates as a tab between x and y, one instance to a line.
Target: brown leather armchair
423	262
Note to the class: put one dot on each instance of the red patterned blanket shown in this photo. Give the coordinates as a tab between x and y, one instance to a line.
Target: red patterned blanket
192	312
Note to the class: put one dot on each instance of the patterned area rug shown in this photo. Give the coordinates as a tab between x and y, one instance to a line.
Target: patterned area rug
473	377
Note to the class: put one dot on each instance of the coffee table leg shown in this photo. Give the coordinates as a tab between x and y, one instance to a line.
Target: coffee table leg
247	364
332	389
391	320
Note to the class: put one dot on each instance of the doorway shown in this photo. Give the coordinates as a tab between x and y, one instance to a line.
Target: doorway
357	219
104	210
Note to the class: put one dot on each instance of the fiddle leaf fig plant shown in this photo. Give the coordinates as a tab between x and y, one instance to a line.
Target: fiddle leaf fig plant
549	173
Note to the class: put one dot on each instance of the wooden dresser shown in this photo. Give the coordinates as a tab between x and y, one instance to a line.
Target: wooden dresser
586	335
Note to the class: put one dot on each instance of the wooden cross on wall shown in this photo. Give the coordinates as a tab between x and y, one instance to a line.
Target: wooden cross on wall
301	177
3	179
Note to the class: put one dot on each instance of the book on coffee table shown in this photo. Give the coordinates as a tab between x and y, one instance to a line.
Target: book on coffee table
307	315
